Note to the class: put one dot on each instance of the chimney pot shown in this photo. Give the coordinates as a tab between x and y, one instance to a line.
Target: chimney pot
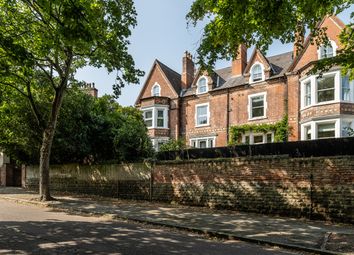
187	70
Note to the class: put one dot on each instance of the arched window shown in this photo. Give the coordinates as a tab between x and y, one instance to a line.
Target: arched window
202	85
156	90
327	51
257	73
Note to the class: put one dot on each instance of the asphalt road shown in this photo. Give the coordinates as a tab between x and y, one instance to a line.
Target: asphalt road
28	229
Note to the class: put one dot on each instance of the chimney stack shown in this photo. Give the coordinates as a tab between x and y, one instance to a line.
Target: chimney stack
93	90
239	64
187	71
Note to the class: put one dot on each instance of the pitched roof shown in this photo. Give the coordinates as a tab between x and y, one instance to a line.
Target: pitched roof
254	54
307	42
173	77
279	64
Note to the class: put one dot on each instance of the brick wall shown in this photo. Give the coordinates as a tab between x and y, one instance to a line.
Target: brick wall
275	100
318	188
217	121
131	181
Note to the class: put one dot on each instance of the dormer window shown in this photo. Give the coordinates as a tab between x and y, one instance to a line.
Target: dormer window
327	51
202	85
156	90
257	73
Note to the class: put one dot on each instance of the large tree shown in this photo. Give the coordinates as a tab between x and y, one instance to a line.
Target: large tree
89	130
51	40
230	23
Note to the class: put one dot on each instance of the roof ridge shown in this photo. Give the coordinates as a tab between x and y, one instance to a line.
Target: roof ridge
166	66
277	55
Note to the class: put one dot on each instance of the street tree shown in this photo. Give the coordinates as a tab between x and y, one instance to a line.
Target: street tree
41	39
230	23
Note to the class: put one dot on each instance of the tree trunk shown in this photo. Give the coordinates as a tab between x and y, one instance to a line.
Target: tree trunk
44	187
48	136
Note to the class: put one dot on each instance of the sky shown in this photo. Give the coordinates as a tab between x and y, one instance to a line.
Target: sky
162	34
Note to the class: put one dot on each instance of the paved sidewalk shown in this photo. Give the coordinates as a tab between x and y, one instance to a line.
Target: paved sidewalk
314	236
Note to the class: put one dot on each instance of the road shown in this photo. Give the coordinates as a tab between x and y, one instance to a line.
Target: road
26	229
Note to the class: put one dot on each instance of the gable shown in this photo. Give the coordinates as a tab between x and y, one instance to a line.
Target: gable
157	76
310	52
257	57
200	74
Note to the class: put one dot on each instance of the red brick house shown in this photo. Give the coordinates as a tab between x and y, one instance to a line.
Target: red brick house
200	107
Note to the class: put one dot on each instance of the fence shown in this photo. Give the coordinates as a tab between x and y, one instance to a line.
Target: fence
313	148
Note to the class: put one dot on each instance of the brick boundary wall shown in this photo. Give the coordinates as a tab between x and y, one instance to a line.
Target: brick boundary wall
128	181
316	188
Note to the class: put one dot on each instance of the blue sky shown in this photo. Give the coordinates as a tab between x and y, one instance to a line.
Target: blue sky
162	34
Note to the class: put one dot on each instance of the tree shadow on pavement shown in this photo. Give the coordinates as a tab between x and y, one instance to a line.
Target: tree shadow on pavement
85	237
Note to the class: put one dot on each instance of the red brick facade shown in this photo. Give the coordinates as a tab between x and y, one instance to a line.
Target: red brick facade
202	107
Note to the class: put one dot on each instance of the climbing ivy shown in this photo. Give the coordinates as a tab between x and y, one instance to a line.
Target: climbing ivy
280	129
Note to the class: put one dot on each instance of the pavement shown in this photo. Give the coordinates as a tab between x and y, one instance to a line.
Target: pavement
299	234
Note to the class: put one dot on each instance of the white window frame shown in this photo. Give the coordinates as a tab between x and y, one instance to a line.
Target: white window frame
305	128
206	85
333	45
351	90
340	123
335	85
314	98
314	128
199	139
251	136
156	85
154	110
306	83
155	142
250	117
196	115
251	80
152	117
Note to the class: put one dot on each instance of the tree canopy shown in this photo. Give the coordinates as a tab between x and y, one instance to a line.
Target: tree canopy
251	22
44	42
90	130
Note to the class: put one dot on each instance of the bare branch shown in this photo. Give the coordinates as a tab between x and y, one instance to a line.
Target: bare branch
48	75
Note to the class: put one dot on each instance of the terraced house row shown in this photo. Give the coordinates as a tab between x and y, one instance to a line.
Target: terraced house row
201	108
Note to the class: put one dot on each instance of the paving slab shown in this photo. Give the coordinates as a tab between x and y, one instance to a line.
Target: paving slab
314	236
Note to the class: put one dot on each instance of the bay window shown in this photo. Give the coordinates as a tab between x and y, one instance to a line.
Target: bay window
325	88
148	118
326	130
307	89
307	132
331	87
156	117
160	118
347	89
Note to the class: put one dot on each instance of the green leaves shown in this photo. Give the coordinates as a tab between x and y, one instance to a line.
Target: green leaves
252	22
88	128
280	129
47	34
